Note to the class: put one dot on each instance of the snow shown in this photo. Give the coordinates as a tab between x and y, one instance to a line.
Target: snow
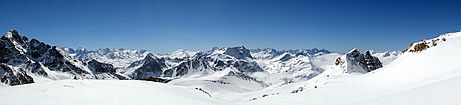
232	83
404	81
428	77
119	58
103	92
387	57
446	92
181	53
18	46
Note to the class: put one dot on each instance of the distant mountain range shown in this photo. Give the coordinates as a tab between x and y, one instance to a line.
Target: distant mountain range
26	61
426	73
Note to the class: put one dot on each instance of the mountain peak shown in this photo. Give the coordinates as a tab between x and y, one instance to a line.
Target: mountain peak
13	32
354	61
14	36
239	52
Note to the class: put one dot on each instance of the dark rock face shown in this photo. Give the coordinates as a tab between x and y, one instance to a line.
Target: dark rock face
36	68
13	35
354	61
56	61
244	66
37	48
14	77
99	67
370	62
156	79
286	57
32	57
9	46
5	52
184	67
151	67
239	52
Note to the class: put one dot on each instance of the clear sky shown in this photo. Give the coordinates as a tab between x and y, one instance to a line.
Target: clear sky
166	25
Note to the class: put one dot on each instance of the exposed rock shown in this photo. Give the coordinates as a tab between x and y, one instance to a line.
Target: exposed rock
238	52
56	60
37	48
34	57
13	77
156	79
355	62
186	67
425	44
101	67
151	66
370	62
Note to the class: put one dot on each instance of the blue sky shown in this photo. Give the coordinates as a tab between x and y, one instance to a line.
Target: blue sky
166	25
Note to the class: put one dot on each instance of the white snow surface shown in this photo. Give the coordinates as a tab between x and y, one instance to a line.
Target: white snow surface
103	92
429	77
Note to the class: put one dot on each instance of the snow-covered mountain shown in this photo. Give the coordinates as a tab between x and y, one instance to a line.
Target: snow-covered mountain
426	77
291	65
355	62
26	61
119	58
229	75
263	66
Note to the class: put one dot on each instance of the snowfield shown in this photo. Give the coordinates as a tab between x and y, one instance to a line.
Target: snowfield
428	77
103	92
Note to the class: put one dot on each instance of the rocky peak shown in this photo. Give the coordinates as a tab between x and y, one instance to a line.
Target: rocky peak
151	66
354	61
239	52
13	76
370	62
151	58
81	49
284	57
14	35
99	67
37	48
427	43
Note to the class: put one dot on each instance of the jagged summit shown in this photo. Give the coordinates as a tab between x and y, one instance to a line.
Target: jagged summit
41	61
238	52
355	62
12	34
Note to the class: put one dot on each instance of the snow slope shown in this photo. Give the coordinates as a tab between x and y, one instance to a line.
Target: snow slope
224	76
103	92
428	77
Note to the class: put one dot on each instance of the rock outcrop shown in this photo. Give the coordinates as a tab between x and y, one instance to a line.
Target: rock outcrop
14	76
355	62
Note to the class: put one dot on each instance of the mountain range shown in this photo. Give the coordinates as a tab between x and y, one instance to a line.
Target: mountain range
27	61
425	73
